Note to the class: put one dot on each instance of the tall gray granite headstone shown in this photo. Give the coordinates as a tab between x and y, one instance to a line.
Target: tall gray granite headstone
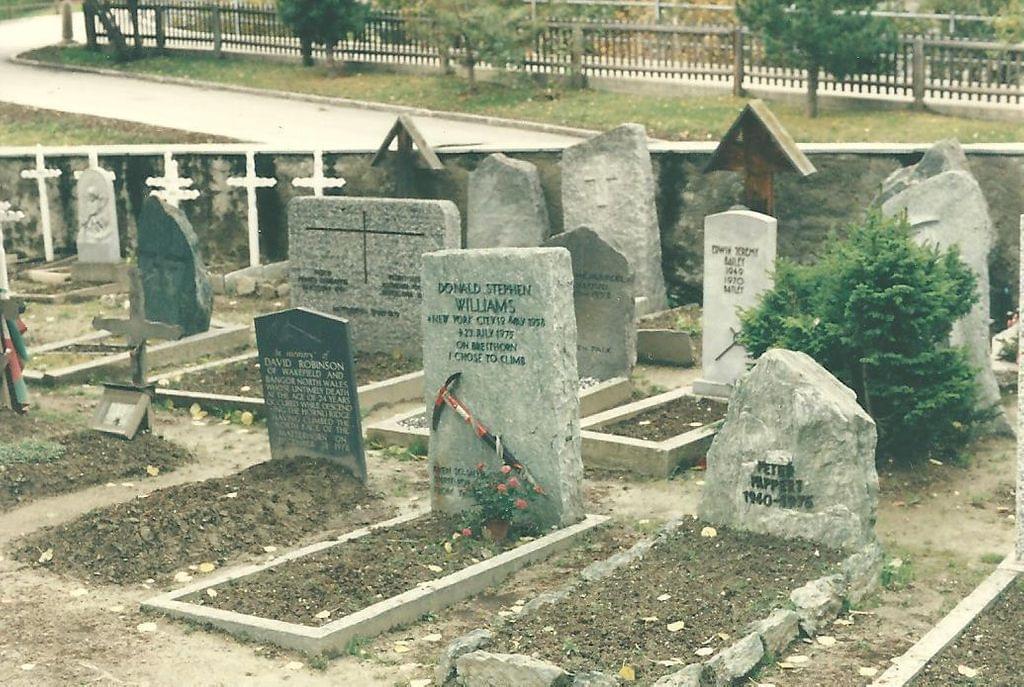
739	256
603	296
360	258
608	185
507	208
309	385
98	240
503	318
174	279
795	456
945	207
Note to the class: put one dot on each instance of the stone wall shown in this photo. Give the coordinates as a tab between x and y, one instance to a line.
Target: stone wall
809	209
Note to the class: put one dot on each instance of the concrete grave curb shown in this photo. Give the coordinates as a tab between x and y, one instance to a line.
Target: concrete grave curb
221	337
640	456
773	634
395	431
406	607
407	387
907	667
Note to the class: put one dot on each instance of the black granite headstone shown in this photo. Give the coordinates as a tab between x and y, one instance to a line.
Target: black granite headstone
175	281
309	385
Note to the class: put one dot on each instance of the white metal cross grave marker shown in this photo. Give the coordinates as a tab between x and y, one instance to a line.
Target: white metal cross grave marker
7	216
94	163
41	173
250	182
172	187
318	182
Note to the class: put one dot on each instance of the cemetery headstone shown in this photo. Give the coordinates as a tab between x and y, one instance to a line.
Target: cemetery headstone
503	318
608	185
507	208
946	207
98	240
175	281
360	258
603	296
309	385
739	256
795	457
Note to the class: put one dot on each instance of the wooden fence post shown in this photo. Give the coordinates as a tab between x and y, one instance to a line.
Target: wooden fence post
917	72
576	76
90	26
159	18
737	62
218	32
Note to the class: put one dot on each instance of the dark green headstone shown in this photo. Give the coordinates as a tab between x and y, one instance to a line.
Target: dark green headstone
174	279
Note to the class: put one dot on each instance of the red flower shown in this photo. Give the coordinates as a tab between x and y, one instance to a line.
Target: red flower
467	532
502	489
505	469
521	504
479	467
513	482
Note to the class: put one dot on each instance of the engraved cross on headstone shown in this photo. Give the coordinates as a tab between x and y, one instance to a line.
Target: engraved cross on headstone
137	329
366	232
600	188
172	187
318	182
250	182
7	216
41	173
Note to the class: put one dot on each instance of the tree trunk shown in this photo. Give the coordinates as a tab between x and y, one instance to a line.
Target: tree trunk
133	8
332	67
306	48
114	35
812	90
471	70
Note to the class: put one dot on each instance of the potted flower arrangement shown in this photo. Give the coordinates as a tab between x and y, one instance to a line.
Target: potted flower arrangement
503	499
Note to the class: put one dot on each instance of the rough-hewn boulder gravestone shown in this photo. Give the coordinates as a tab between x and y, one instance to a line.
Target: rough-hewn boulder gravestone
603	296
795	457
739	256
507	208
309	386
504	318
360	258
175	281
608	185
946	207
98	240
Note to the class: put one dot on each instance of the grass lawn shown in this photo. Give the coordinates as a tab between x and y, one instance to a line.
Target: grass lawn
694	118
12	9
22	126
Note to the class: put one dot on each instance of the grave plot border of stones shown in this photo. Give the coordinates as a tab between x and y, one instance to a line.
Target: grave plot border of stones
641	456
372	396
397	431
221	338
373	620
78	295
812	605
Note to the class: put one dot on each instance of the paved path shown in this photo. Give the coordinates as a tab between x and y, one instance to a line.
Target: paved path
256	118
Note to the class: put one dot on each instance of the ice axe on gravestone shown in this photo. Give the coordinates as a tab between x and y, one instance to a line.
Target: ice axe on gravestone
446	397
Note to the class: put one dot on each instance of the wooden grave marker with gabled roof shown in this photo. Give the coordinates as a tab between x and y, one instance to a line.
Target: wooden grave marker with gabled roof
411	145
757	146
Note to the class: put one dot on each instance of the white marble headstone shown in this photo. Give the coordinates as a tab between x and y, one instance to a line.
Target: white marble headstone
98	240
739	259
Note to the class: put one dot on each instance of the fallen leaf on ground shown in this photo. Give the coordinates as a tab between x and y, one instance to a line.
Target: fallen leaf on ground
182	577
867	671
966	671
212	593
704	651
28	666
401	648
207	567
247	418
676	626
152	470
269	549
293	665
46	556
709	532
825	640
323	615
664	597
435	568
627	673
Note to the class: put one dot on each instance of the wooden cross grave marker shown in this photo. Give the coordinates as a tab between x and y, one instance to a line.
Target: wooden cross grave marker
411	146
124	409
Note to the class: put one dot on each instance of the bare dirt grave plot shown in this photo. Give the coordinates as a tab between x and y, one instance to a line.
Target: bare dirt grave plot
671	419
274	504
654	614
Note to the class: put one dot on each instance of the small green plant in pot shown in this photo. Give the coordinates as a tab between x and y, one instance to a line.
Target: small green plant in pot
503	502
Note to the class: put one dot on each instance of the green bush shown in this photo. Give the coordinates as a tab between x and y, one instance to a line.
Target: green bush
877	311
323	22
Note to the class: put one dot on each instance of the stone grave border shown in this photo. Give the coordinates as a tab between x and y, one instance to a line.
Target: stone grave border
392	432
640	456
905	668
373	620
810	607
407	387
657	345
80	295
220	338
